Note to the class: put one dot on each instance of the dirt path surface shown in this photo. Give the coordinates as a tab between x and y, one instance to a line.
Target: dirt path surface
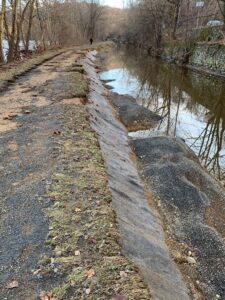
59	238
27	125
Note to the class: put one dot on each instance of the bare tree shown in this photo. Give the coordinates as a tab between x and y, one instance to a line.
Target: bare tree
31	10
2	15
177	5
12	40
20	20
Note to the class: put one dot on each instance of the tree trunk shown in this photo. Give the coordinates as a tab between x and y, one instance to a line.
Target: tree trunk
2	14
41	25
29	25
19	26
177	10
12	40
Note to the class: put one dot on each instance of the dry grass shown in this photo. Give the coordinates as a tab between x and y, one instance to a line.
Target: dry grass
81	219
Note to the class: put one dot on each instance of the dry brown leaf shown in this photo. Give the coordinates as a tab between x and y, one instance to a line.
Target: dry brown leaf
12	146
12	285
90	273
47	296
35	272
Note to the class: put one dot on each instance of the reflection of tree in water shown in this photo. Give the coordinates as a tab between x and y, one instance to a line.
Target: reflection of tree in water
212	139
166	89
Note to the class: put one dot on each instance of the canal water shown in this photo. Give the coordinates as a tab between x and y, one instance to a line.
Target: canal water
5	44
192	104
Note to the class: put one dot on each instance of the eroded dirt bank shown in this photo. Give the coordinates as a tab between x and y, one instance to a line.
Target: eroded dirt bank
142	233
59	238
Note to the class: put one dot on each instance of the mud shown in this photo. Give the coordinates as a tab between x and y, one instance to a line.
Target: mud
134	116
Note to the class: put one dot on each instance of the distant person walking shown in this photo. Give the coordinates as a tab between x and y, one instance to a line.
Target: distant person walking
91	41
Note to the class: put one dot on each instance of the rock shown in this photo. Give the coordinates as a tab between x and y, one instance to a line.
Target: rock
123	274
58	253
191	260
13	284
87	291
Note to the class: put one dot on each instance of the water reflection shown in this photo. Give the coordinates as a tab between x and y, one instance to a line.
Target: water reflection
192	105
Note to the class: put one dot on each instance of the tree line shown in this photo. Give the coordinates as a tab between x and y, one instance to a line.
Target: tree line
50	23
152	23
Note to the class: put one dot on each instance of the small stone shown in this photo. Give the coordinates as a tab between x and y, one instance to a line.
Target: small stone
189	253
52	260
191	260
77	253
87	291
58	253
35	272
197	282
123	274
218	296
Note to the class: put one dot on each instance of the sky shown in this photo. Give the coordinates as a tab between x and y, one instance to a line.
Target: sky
113	3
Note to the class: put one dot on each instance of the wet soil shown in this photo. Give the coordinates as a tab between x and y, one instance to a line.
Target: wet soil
134	116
